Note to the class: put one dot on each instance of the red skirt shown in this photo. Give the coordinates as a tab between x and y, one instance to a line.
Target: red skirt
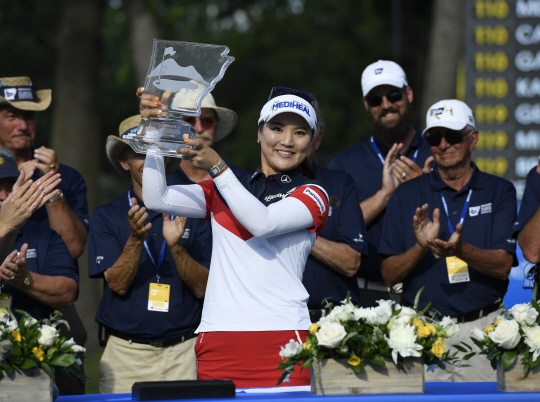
249	359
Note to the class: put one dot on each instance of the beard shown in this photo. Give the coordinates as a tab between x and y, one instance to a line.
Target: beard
397	133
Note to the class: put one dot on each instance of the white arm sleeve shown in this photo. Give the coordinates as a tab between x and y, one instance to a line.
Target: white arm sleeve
287	215
187	200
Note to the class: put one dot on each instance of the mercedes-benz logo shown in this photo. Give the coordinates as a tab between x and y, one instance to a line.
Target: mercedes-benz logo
285	179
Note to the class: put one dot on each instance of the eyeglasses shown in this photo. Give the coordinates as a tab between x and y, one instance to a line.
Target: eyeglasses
279	91
452	137
393	96
206	122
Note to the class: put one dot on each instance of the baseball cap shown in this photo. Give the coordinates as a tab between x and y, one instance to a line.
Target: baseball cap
289	104
383	72
449	113
8	168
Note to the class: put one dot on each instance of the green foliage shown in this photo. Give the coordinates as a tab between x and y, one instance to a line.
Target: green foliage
25	344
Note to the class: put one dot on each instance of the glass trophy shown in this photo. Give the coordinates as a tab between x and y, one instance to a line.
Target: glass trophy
181	74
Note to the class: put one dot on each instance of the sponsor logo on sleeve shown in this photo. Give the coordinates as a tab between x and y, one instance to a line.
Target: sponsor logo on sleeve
99	259
318	200
473	211
31	253
186	233
485	209
359	239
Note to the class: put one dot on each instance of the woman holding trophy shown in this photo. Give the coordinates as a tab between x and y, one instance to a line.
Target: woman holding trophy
264	227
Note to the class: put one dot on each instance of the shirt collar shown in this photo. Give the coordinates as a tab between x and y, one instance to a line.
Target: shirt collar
281	178
475	182
417	140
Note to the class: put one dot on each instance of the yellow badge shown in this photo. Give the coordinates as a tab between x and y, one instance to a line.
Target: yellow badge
458	270
158	297
5	303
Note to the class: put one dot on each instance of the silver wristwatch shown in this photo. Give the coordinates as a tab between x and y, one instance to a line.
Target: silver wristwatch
56	197
216	170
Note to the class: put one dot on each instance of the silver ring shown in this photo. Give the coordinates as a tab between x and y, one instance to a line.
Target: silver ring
11	278
403	175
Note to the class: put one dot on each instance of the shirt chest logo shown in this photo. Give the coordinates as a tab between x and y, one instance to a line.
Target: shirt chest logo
31	253
480	210
186	234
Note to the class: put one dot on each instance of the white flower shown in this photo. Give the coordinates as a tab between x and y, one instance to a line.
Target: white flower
29	321
291	349
330	334
69	342
79	348
341	313
524	313
360	312
405	316
403	341
532	339
449	326
380	314
348	307
11	325
506	334
477	334
48	335
325	319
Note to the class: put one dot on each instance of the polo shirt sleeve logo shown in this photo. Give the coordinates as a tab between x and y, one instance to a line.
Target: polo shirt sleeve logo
313	195
99	259
473	211
485	209
31	253
186	234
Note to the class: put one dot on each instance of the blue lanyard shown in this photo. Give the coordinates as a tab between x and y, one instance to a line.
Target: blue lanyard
463	212
381	158
163	246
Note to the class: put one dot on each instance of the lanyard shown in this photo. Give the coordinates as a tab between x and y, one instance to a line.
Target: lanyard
163	246
379	154
463	212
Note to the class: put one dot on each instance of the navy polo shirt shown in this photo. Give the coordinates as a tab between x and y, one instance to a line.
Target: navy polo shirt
47	255
529	202
487	225
364	166
345	225
74	188
179	177
129	314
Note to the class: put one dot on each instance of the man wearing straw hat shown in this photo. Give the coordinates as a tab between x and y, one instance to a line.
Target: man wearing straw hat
214	124
67	211
155	269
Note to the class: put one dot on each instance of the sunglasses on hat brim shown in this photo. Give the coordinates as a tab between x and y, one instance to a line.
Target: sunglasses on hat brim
279	91
452	137
392	96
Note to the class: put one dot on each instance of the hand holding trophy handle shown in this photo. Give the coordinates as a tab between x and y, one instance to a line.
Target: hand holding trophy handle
150	105
199	154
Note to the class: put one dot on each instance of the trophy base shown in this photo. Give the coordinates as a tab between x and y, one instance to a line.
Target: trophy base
160	137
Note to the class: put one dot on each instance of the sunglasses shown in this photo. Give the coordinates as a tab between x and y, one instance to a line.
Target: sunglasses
452	137
279	91
393	96
206	122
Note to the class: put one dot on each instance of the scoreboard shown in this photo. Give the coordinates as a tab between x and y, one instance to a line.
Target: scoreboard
502	81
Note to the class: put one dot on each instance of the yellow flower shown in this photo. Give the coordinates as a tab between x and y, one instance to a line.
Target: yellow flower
488	329
306	346
498	322
313	328
438	347
423	332
431	329
38	352
417	322
16	335
354	360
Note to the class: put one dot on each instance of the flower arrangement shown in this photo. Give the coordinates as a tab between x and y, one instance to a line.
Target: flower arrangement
370	334
30	343
517	331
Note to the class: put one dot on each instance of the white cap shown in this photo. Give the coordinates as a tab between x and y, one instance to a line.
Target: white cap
449	113
289	104
383	72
